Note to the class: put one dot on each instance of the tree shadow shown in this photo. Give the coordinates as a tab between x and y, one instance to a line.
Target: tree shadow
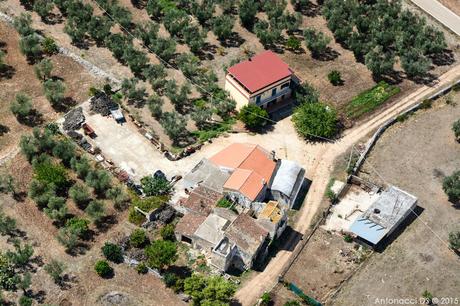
33	119
26	4
394	77
7	71
445	58
4	129
105	223
309	9
181	271
234	41
328	55
65	105
39	296
20	196
429	79
80	249
139	4
207	52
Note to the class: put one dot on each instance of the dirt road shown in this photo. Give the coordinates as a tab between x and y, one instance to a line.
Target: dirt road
322	170
440	13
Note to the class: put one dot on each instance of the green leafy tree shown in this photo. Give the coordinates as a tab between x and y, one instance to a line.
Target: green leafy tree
314	120
247	13
118	196
68	239
99	28
56	209
80	194
25	282
9	279
201	116
49	46
23	24
138	238
222	26
100	180
78	226
49	173
451	186
154	186
161	253
174	125
65	151
54	91
55	269
96	210
21	106
213	290
155	104
112	252
291	303
335	77
81	166
203	11
76	30
414	63
253	116
265	298
7	184
194	38
316	41
103	269
293	43
30	46
43	8
132	92
25	301
41	192
21	255
454	240
165	48
306	94
167	232
379	62
43	69
456	129
7	225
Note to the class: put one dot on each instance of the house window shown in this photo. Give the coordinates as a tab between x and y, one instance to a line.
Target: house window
285	85
258	99
273	91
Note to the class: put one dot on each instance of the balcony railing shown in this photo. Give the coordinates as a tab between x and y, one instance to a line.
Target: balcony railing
271	98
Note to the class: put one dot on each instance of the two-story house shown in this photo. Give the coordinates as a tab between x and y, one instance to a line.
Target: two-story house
263	79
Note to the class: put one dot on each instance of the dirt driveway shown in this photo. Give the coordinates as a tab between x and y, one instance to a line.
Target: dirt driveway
129	150
414	155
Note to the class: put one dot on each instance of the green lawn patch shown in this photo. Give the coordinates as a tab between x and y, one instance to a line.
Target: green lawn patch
370	99
214	130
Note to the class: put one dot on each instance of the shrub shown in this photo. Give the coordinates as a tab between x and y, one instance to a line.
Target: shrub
49	173
293	43
96	210
154	186
138	238
167	232
316	41
103	268
49	46
78	226
142	268
456	129
112	252
266	298
315	120
55	269
218	290
21	106
253	116
451	186
161	253
427	103
454	240
291	303
348	238
335	77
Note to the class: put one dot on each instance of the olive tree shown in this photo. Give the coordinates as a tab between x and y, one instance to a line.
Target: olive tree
21	106
43	69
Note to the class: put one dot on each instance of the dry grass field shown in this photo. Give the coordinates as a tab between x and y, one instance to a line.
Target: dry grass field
414	155
21	78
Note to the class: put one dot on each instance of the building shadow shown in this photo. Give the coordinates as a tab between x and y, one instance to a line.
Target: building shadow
302	194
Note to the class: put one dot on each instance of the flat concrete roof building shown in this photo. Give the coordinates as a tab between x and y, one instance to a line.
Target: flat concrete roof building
384	215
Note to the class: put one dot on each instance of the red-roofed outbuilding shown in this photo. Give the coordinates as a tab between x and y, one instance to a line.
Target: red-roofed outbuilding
263	79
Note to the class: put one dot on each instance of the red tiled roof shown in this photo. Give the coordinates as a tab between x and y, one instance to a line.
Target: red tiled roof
252	167
201	200
260	71
189	223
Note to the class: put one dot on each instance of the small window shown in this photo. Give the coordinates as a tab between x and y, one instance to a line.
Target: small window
273	91
285	85
258	99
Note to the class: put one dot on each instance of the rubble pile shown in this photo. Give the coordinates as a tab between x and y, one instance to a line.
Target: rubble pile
102	104
74	119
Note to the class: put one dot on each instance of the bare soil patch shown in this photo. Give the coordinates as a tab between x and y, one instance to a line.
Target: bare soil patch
414	155
22	79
